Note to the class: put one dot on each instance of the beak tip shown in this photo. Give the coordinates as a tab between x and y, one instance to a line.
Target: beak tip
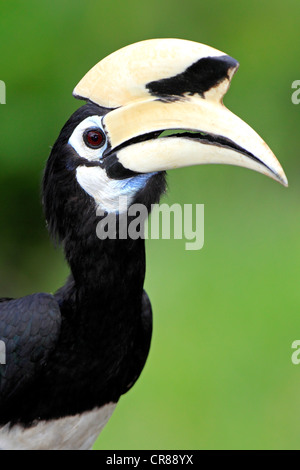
282	179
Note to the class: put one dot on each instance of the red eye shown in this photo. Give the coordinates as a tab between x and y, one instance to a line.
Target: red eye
94	138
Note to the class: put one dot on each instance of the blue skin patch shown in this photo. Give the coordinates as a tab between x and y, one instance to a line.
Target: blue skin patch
135	183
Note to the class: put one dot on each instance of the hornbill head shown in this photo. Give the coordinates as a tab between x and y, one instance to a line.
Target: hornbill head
116	144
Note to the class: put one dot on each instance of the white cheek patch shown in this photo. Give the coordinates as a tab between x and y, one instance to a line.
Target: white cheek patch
109	194
78	144
103	190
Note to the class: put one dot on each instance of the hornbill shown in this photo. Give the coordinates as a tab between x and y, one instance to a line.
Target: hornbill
71	355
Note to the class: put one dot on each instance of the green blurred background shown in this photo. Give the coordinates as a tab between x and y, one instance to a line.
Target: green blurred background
219	374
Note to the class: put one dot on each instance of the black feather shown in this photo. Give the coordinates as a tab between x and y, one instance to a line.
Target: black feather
99	348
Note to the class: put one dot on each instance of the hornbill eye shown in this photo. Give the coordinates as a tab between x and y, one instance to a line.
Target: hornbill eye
94	138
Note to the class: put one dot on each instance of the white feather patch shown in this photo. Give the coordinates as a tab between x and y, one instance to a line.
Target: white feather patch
107	193
77	432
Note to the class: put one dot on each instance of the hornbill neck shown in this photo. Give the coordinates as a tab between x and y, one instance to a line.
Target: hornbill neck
109	271
101	269
105	268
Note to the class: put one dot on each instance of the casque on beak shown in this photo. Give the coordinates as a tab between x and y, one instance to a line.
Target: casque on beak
174	85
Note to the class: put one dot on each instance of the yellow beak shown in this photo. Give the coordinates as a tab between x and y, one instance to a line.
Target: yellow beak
176	86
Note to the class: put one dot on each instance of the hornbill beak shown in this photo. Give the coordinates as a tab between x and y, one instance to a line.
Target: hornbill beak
177	86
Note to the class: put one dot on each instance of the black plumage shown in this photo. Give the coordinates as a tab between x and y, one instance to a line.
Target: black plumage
89	342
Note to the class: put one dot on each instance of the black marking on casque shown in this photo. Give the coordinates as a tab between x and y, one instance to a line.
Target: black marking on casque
200	77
